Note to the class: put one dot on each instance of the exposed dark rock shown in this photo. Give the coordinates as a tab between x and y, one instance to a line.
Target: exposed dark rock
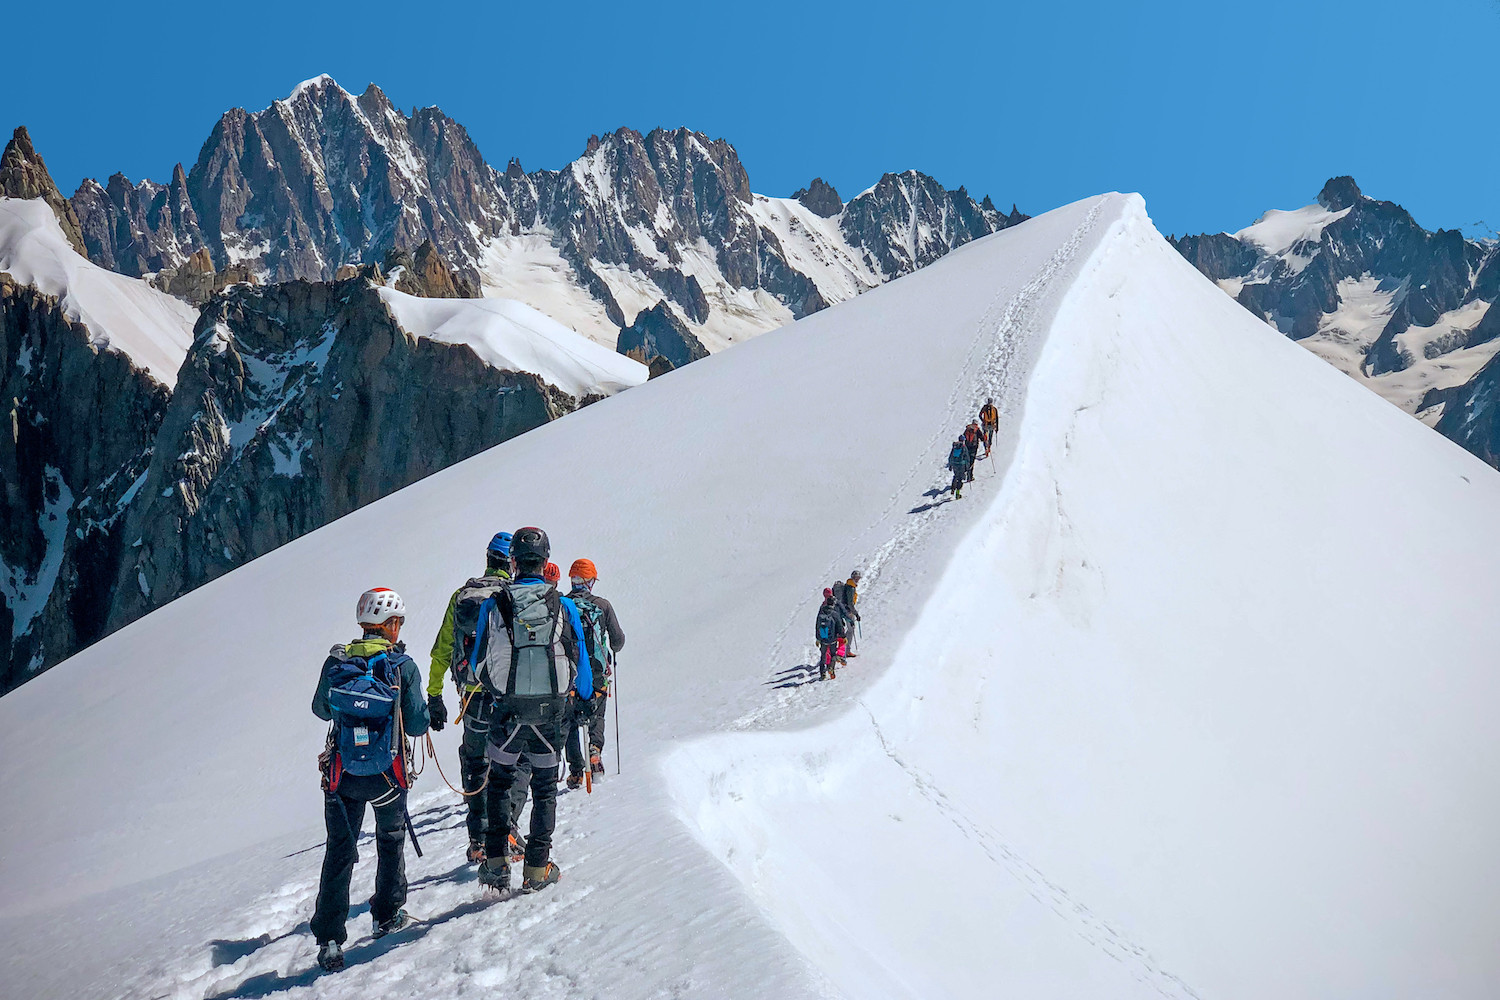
1217	255
657	332
299	403
139	229
196	280
909	220
425	273
1472	414
24	175
1339	193
81	427
821	198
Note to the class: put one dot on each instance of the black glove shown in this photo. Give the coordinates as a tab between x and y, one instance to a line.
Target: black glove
437	712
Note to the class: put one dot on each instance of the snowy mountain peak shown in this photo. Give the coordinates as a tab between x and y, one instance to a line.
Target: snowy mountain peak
315	86
1361	284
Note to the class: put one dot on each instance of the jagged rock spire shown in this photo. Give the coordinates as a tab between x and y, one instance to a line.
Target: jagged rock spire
24	175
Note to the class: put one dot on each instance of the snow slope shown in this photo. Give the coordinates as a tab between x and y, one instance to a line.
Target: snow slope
1202	707
515	337
715	500
122	314
1184	696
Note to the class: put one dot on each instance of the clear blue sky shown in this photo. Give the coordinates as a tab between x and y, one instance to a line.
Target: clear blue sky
1213	111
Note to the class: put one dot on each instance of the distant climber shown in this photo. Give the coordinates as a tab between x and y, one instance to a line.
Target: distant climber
603	637
972	439
989	423
372	693
530	656
848	597
452	651
960	462
828	629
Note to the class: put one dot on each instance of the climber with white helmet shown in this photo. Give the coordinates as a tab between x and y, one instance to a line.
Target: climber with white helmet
372	693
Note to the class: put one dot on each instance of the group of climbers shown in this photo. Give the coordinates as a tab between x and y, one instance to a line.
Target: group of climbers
964	454
532	668
835	627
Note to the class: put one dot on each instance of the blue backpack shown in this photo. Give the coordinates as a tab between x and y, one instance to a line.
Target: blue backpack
362	693
828	623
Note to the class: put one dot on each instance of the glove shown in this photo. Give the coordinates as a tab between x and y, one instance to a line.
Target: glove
437	712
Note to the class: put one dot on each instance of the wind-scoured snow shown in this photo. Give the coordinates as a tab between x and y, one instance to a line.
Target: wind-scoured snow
1184	697
1201	708
513	336
1278	231
122	314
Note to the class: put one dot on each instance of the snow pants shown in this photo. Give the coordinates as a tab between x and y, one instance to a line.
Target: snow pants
538	746
472	764
343	815
576	760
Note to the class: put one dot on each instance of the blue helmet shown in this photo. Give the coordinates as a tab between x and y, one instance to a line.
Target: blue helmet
499	546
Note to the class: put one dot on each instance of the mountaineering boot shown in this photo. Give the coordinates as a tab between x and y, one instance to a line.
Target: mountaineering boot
575	779
399	922
475	853
539	877
517	847
596	765
495	874
331	956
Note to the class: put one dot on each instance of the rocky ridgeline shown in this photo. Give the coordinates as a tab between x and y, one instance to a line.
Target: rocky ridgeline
1406	311
325	179
297	402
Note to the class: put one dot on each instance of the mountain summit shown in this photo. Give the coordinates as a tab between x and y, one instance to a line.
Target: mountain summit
324	179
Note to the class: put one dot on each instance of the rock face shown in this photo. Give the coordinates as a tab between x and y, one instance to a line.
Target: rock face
820	198
81	431
909	220
139	229
325	180
426	274
24	175
299	403
658	333
196	280
1361	284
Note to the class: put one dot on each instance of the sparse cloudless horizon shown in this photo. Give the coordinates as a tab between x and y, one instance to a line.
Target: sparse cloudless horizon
1214	112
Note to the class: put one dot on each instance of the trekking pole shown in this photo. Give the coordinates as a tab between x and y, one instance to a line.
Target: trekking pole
615	697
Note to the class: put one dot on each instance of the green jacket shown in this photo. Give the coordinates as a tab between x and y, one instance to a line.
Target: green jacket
442	647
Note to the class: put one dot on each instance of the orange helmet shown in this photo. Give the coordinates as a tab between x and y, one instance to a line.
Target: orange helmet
583	569
551	573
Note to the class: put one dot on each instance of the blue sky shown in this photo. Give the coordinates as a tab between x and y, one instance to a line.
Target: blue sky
1213	111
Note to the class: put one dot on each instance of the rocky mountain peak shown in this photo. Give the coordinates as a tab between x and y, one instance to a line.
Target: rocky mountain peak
23	174
1339	193
820	198
426	274
658	333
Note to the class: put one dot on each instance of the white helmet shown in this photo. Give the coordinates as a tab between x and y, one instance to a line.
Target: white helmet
378	606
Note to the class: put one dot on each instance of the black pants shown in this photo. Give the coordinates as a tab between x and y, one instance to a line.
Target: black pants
472	764
538	747
958	480
576	761
343	815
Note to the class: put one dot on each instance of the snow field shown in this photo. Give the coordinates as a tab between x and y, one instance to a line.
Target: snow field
512	336
122	314
716	501
1200	707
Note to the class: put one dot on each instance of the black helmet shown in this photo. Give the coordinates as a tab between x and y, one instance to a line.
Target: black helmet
529	547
